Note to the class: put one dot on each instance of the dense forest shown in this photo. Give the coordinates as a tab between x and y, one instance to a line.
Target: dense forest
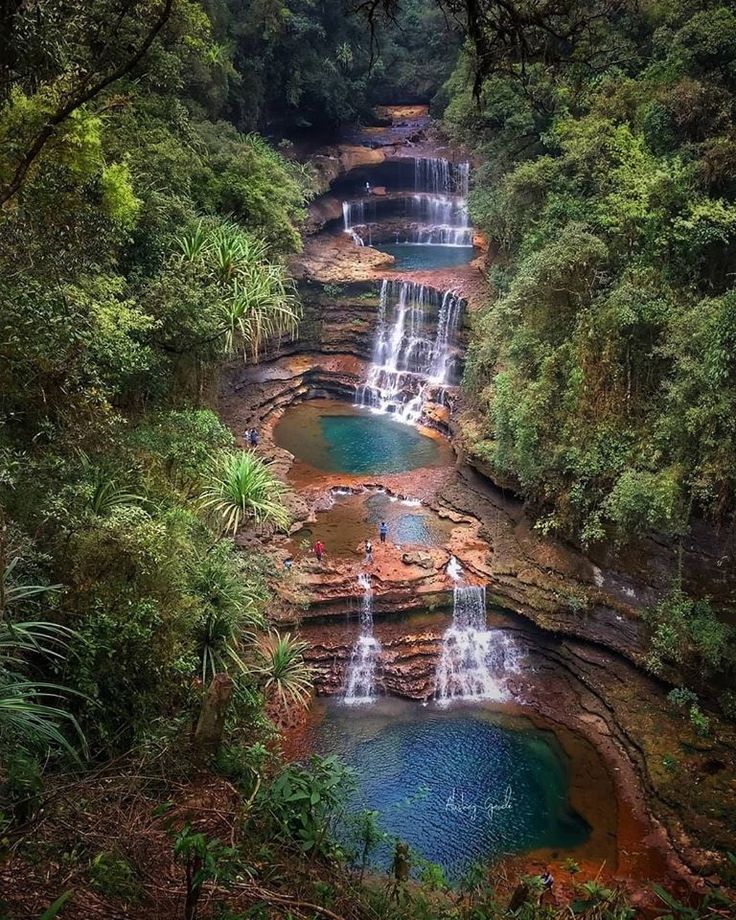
608	188
151	197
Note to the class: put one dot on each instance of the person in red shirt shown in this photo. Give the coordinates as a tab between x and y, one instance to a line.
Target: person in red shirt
319	550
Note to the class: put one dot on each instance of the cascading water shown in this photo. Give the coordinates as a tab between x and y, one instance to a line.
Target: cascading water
408	354
475	661
437	212
439	176
442	211
361	673
353	214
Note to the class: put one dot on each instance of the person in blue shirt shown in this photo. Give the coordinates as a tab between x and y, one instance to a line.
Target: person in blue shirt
383	531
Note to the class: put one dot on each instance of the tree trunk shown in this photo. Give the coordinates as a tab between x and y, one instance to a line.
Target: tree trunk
211	722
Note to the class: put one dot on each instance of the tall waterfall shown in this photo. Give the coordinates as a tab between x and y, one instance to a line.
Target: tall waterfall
475	661
412	349
360	678
441	203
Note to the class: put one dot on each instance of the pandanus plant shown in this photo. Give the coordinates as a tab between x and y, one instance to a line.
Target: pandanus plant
229	613
242	488
257	301
32	713
263	307
284	673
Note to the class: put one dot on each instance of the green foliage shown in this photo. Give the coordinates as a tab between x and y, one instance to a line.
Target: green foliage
204	859
54	909
691	634
683	699
301	804
144	245
33	715
285	675
21	791
113	876
316	66
243	489
714	903
364	835
603	371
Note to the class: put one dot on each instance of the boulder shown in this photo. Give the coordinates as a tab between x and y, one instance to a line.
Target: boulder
422	559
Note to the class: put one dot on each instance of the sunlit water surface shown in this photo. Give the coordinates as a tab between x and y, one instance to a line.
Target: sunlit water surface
418	257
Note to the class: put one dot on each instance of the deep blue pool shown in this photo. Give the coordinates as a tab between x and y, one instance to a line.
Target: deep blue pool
459	785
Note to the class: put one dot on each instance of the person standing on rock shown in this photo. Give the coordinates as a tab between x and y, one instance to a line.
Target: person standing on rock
319	550
254	437
369	552
383	531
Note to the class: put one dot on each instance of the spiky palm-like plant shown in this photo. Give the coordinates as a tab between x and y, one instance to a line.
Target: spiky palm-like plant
242	488
194	245
263	306
229	614
30	714
284	673
107	495
257	300
232	252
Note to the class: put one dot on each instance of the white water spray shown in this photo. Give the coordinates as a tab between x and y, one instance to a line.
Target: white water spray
361	673
411	351
436	214
475	661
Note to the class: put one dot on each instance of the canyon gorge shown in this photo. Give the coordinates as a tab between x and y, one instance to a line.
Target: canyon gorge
359	416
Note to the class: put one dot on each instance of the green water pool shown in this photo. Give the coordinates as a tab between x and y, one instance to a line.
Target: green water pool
335	437
415	256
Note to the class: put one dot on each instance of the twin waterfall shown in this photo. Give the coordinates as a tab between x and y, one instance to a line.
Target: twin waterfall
474	663
361	674
414	348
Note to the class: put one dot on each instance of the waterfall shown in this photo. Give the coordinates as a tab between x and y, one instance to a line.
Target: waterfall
443	210
360	678
462	183
439	176
437	212
475	660
353	214
431	174
411	351
442	220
